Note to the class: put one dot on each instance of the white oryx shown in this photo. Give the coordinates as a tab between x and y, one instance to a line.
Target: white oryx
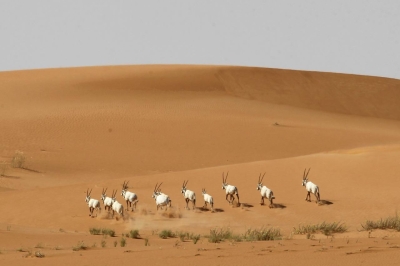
265	192
161	198
116	206
107	201
92	203
188	195
130	197
207	199
310	187
229	190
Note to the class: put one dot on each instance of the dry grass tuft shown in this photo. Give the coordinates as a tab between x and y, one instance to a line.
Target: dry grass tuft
324	228
387	223
18	160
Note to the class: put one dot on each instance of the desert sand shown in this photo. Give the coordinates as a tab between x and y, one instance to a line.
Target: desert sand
95	127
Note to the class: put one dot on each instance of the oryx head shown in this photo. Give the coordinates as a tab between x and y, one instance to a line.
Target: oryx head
88	195
260	179
103	194
224	178
113	196
124	188
203	190
184	187
156	191
305	177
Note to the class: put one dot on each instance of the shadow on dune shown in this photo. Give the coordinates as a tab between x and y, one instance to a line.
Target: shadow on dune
207	209
246	205
325	202
10	176
278	206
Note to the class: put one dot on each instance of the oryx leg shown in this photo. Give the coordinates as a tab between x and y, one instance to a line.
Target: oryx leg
317	196
205	204
237	195
262	200
227	197
308	197
194	204
187	202
271	204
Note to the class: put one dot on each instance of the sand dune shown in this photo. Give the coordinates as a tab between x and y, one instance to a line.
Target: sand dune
96	127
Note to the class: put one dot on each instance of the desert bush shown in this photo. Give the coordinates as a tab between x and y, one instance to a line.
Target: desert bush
146	242
194	238
94	231
80	246
324	228
115	243
164	234
122	242
392	222
103	243
262	234
18	160
109	232
134	234
220	234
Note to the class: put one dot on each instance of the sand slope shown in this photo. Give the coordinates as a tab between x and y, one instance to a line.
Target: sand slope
96	127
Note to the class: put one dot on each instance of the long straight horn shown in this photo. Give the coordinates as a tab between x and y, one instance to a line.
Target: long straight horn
262	178
90	192
259	178
105	191
308	172
159	185
186	182
87	192
223	181
304	174
155	188
126	185
226	178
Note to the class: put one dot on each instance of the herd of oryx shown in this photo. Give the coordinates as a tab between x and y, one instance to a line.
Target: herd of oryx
163	200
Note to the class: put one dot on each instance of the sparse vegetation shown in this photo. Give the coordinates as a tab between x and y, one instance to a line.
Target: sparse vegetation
122	242
39	254
164	234
185	236
18	160
115	243
94	231
262	234
195	238
134	234
146	242
80	246
387	223
221	234
324	228
101	231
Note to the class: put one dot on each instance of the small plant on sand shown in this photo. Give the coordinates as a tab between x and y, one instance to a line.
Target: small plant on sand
392	222
39	254
18	160
262	234
80	246
164	234
122	242
146	242
115	243
324	228
194	238
134	234
39	245
103	243
109	232
94	231
183	236
220	234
